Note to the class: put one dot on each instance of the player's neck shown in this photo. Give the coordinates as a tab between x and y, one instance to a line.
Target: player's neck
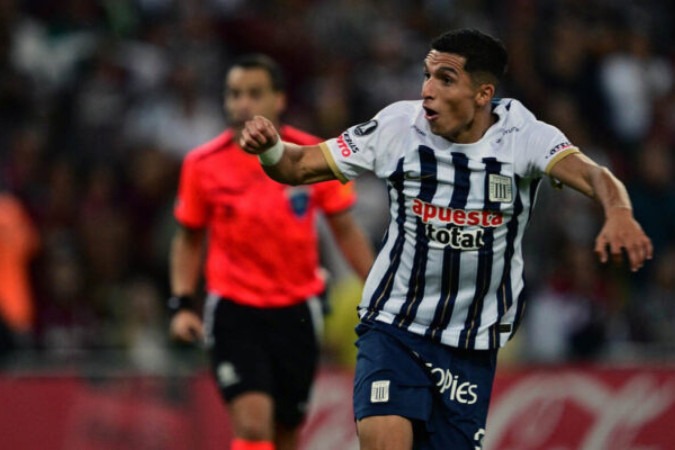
476	129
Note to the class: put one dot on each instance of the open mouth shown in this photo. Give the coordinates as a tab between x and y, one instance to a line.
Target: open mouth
430	114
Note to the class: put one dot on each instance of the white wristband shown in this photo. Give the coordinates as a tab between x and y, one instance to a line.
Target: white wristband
272	155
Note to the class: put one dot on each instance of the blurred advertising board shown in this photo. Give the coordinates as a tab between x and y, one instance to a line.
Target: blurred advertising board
554	408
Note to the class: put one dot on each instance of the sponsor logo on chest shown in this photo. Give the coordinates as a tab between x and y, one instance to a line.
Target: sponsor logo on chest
453	233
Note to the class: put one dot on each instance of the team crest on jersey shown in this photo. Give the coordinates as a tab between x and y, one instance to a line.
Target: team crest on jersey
365	128
500	188
298	197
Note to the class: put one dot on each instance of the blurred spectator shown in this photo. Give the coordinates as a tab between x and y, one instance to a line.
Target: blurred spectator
634	77
652	318
17	101
49	45
387	65
148	197
146	58
652	191
144	330
100	99
23	166
67	323
18	245
104	228
180	119
568	317
61	200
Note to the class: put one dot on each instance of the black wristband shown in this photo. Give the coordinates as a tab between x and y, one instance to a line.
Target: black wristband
178	303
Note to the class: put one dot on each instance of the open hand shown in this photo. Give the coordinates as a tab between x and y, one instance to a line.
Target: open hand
622	232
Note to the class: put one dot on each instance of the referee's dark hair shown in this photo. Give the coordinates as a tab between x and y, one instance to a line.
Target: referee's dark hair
484	54
264	62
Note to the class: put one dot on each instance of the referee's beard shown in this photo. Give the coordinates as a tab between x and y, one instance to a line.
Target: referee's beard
237	128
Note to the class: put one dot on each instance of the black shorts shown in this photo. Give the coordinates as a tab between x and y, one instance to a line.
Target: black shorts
271	350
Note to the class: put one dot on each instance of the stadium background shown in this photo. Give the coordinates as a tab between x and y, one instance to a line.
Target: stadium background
99	100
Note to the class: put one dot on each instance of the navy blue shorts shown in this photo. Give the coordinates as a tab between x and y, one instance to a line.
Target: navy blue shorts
444	391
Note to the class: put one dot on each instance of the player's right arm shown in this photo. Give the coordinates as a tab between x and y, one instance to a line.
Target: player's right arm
284	162
185	269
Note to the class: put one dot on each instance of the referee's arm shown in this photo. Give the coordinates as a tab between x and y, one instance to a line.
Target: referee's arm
352	242
185	269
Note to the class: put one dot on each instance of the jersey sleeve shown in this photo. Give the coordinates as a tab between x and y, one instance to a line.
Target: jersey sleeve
190	209
546	145
368	146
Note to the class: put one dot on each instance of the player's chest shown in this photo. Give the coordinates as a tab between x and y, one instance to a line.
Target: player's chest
478	179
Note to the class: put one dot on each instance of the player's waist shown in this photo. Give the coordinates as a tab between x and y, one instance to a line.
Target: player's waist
483	333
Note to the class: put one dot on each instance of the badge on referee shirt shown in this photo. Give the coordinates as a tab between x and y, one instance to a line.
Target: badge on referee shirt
500	188
298	197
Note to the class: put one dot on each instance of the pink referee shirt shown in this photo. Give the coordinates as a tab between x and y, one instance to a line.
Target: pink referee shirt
262	240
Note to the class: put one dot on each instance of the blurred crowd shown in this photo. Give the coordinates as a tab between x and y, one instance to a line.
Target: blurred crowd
100	100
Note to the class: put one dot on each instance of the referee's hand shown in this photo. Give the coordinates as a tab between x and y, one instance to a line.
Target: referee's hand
186	326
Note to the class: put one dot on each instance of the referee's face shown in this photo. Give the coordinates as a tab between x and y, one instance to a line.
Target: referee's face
248	93
455	106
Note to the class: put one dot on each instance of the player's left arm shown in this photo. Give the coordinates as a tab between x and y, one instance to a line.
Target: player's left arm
620	230
352	241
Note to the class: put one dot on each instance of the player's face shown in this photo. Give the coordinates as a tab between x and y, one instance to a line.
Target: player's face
451	99
248	93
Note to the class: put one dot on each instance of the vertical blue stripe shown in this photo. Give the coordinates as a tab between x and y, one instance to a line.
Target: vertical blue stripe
534	187
484	270
383	290
451	257
462	181
417	281
505	291
449	290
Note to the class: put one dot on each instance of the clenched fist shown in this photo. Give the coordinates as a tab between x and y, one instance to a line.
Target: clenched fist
258	135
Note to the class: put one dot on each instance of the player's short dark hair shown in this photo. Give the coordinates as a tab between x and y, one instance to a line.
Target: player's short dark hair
483	52
266	63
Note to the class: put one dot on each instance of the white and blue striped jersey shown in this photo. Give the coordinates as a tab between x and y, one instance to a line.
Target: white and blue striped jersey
450	267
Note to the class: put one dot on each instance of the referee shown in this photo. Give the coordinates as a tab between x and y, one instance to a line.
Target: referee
262	316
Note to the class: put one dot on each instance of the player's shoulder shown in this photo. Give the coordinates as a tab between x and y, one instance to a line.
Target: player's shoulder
513	111
215	146
395	116
515	115
298	136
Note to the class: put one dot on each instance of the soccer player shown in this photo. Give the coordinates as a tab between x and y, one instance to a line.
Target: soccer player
262	316
462	169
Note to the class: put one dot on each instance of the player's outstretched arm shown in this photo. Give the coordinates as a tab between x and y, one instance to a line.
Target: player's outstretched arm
284	162
620	231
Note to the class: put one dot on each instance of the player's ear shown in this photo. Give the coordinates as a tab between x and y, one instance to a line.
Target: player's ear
484	94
